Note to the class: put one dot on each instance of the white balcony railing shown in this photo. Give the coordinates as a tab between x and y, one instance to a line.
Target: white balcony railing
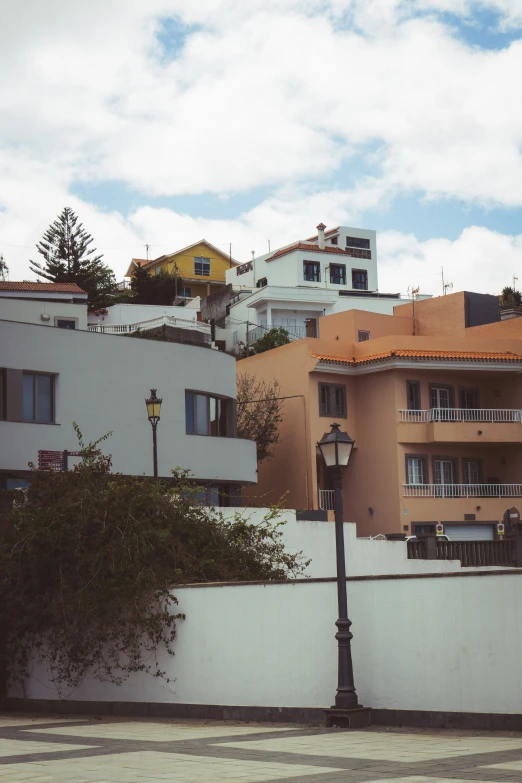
462	490
511	415
153	323
326	499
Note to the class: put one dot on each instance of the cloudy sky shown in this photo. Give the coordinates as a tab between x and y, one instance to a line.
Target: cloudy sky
243	121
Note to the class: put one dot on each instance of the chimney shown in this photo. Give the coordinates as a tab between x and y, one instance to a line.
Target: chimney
320	235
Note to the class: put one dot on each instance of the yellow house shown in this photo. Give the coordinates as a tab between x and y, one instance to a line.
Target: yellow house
201	266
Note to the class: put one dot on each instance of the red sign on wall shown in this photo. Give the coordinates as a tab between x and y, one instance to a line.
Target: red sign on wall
51	460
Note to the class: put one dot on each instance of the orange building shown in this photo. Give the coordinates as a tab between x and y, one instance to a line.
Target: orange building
433	403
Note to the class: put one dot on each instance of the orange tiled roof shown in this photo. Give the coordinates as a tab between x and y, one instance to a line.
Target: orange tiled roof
407	353
58	288
309	248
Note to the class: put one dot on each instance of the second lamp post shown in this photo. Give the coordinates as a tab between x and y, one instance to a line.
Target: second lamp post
153	404
336	447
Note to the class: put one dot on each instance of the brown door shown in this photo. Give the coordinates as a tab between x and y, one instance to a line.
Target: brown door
311	327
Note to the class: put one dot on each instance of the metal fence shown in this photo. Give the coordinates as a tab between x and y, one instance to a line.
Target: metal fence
470	553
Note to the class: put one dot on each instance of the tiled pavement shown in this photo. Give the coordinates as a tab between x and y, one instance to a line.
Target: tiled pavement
61	749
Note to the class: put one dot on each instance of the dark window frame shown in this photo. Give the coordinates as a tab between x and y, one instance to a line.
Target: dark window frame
425	468
315	266
35	375
203	272
355	284
341	268
445	458
331	389
413	385
3	394
417	532
359	242
262	282
227	413
363	335
65	318
334	240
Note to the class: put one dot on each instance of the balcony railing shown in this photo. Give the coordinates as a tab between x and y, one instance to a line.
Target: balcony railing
355	252
462	490
294	332
510	415
326	499
153	323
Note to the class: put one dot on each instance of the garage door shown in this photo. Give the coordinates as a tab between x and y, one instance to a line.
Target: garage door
470	532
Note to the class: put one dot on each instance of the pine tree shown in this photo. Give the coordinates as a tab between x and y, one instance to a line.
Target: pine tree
65	246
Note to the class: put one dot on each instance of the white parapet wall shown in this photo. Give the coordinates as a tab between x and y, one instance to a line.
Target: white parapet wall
428	636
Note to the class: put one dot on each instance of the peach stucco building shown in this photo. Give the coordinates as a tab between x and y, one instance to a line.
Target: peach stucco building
433	404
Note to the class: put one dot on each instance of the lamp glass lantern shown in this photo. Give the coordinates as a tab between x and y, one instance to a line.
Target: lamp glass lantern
153	404
336	447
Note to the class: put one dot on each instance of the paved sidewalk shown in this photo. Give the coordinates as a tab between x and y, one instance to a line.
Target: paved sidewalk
59	749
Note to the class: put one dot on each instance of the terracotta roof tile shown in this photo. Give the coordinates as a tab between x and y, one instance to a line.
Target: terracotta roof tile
309	248
57	288
406	353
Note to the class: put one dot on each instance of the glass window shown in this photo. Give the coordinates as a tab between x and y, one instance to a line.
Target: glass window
357	242
185	292
206	414
332	400
440	397
202	266
3	411
44	398
360	279
28	407
334	240
37	397
66	323
415	470
262	283
469	399
312	271
363	336
338	274
442	471
471	472
413	395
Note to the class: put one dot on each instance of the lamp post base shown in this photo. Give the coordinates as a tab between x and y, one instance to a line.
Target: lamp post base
356	718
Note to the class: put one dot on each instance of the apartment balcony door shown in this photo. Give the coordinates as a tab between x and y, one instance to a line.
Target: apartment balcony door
311	327
440	400
443	477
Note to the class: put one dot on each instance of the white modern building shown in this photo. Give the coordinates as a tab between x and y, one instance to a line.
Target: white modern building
52	377
63	305
130	313
294	286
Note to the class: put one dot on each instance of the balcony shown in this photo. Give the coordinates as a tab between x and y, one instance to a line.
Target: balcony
294	332
461	425
462	490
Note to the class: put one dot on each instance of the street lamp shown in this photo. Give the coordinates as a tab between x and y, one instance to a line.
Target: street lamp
336	447
153	404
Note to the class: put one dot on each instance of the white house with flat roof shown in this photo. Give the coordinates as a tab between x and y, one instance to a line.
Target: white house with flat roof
52	377
294	286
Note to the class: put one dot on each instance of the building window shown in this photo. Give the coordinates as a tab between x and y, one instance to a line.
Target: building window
356	242
312	271
334	240
332	399
262	282
416	470
185	292
413	395
338	274
202	266
471	470
235	337
444	471
360	279
206	414
424	530
441	400
469	399
37	397
157	270
362	336
65	323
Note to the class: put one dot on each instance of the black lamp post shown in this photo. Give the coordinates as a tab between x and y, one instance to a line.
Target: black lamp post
153	413
336	448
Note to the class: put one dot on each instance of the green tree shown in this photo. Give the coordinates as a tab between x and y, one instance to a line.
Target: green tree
511	298
69	258
259	413
89	559
4	269
272	339
158	289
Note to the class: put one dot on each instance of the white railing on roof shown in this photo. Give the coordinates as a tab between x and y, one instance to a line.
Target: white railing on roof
511	415
153	323
326	499
462	490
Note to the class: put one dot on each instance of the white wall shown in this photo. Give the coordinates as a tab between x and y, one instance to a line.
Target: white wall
29	311
102	384
134	313
448	644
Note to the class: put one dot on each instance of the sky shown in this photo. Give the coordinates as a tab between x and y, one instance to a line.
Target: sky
162	122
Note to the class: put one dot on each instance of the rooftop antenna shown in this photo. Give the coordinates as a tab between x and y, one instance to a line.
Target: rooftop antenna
445	285
269	246
515	278
414	296
147	249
